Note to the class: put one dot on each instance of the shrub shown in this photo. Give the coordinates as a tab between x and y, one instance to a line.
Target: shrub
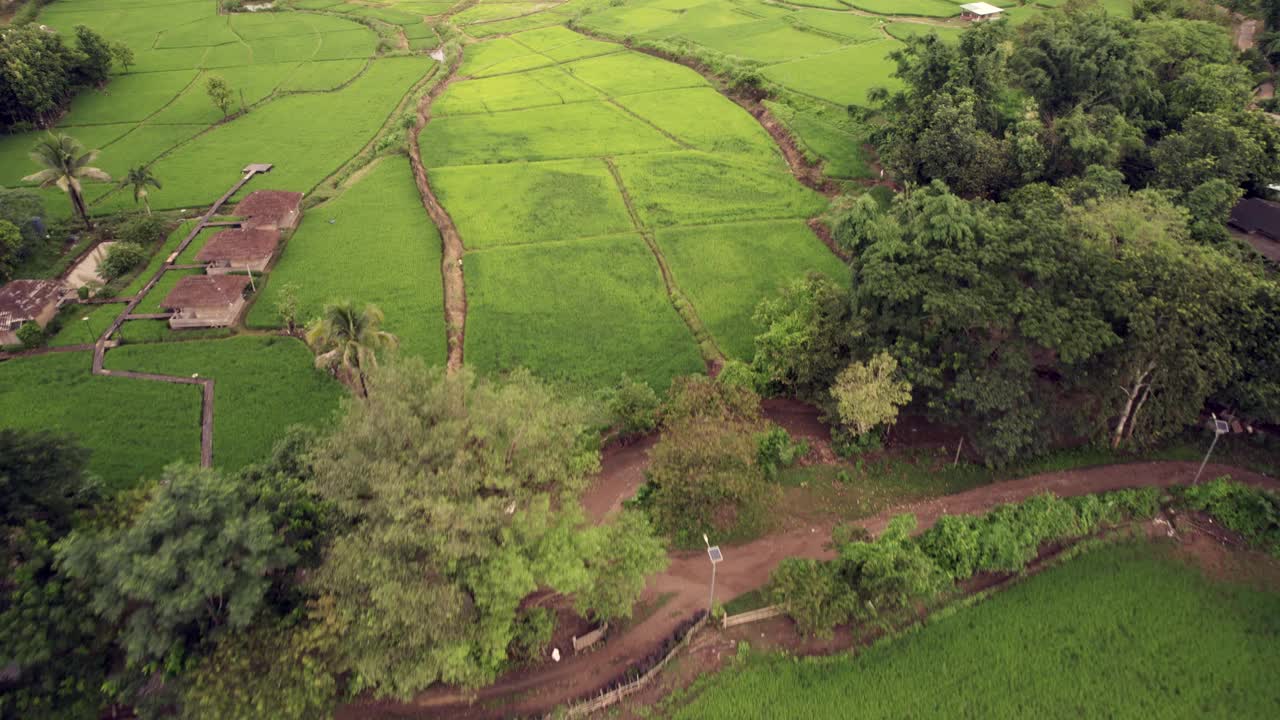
889	572
30	335
120	259
146	230
533	630
694	397
737	374
706	479
633	407
814	597
954	544
1252	512
776	450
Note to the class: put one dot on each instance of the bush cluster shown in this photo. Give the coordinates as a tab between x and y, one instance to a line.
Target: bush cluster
121	258
1250	511
871	577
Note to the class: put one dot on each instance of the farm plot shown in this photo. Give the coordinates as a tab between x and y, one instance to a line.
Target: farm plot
132	427
372	244
306	136
548	133
263	385
727	270
584	311
1127	631
299	75
687	188
540	202
843	77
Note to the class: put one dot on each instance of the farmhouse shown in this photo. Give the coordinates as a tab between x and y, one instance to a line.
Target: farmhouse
1257	222
240	249
206	300
980	11
24	301
271	209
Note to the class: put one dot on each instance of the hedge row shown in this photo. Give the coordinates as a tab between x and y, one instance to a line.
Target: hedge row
871	577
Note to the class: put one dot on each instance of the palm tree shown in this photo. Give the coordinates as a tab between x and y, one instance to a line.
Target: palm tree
349	338
65	164
140	177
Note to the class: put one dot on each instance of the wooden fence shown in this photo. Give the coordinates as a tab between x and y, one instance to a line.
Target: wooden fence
591	638
617	694
750	616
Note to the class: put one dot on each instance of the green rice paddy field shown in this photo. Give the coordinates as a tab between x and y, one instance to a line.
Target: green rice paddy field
595	188
1126	631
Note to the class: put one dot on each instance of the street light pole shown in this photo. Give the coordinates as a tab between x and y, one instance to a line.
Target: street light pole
87	331
1220	428
714	554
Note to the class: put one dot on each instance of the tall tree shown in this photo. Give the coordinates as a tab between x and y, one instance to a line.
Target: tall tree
196	558
348	338
66	165
139	178
461	496
219	92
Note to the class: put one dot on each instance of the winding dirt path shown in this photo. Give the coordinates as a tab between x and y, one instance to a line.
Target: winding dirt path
682	588
455	291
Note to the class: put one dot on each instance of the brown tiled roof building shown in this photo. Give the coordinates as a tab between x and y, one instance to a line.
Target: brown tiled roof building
272	209
24	301
240	249
206	300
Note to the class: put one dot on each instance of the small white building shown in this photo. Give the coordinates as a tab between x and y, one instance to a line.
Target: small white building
980	11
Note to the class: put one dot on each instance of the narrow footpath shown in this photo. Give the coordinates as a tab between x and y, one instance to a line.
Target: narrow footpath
681	590
455	291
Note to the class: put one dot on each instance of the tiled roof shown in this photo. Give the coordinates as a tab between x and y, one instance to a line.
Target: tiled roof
206	290
245	244
23	300
268	207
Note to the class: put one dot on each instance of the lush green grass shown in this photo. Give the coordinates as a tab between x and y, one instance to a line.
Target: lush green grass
481	58
306	137
380	248
764	40
539	202
487	12
76	330
857	28
842	77
1124	631
585	311
128	98
262	386
825	133
705	119
904	30
546	86
133	427
925	8
727	270
547	133
693	187
626	73
562	44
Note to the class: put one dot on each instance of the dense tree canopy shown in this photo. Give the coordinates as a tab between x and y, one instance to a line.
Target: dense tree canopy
1162	99
39	73
461	498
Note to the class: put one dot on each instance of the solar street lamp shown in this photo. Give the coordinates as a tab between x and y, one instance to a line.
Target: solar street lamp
1220	428
87	331
713	552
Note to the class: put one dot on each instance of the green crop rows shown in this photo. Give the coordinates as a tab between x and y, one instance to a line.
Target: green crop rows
371	244
1122	632
572	130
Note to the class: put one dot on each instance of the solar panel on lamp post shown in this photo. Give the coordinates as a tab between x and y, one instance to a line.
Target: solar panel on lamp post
1220	428
713	552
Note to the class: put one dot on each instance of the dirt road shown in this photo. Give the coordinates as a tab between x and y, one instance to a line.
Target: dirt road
683	588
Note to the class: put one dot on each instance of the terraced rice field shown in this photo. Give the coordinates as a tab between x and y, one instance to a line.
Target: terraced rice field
616	212
313	87
598	151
